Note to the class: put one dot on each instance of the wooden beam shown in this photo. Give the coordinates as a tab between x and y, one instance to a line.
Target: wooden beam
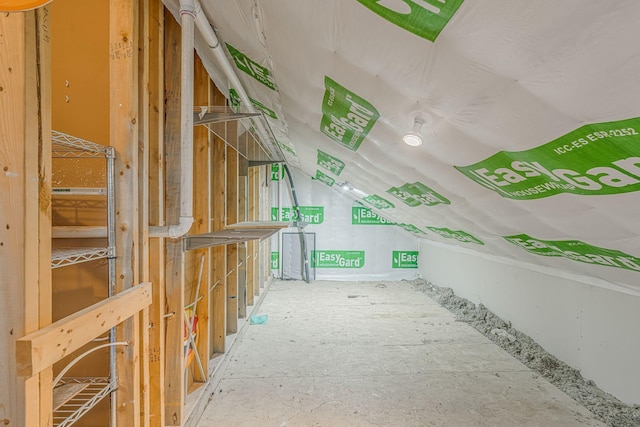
156	213
243	208
236	289
242	279
16	106
123	134
42	348
218	222
202	215
31	210
251	246
257	213
145	44
42	68
174	259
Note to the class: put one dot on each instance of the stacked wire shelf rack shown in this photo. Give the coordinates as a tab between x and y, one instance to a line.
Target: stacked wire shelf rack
74	397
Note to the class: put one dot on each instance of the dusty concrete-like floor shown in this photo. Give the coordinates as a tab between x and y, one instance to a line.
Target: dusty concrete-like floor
376	354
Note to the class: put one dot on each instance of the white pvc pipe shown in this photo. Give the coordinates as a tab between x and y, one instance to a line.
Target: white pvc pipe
203	25
187	17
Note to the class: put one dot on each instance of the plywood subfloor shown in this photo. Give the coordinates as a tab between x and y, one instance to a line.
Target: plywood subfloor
376	354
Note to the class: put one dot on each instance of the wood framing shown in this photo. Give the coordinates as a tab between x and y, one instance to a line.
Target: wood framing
41	65
218	222
144	59
123	83
174	259
202	216
156	354
131	102
19	106
236	295
44	347
244	261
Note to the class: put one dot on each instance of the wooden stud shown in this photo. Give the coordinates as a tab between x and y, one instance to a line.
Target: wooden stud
123	135
144	89
202	213
236	295
43	70
17	102
156	353
243	259
257	278
174	260
31	206
218	220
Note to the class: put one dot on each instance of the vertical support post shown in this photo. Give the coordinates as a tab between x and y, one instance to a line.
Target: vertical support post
144	93
156	355
251	245
202	213
23	126
42	91
218	222
174	257
123	68
236	288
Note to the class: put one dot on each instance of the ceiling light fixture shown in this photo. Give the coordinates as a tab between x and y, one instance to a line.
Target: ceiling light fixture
345	186
413	137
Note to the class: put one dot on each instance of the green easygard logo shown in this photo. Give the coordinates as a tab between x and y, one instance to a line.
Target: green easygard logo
404	259
403	195
424	18
289	149
577	251
411	228
346	118
309	214
235	101
416	194
275	260
277	172
378	202
458	235
323	177
252	68
330	163
338	259
365	216
595	159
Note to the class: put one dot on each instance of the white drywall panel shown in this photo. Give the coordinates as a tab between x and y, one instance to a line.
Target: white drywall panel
591	328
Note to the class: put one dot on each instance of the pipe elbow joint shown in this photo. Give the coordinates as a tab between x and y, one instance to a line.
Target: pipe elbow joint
189	7
173	231
181	228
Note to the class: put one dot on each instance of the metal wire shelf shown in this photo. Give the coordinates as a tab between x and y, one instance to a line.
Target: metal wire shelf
63	257
74	397
79	191
63	145
92	391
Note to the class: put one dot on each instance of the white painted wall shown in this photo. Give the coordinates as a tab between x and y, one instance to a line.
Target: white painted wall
591	328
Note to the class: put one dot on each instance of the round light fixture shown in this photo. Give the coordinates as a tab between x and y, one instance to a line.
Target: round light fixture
345	186
413	137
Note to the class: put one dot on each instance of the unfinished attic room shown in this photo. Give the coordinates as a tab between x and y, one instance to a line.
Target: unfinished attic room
337	213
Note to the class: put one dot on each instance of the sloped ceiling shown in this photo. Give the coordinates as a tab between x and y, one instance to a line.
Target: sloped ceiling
532	110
